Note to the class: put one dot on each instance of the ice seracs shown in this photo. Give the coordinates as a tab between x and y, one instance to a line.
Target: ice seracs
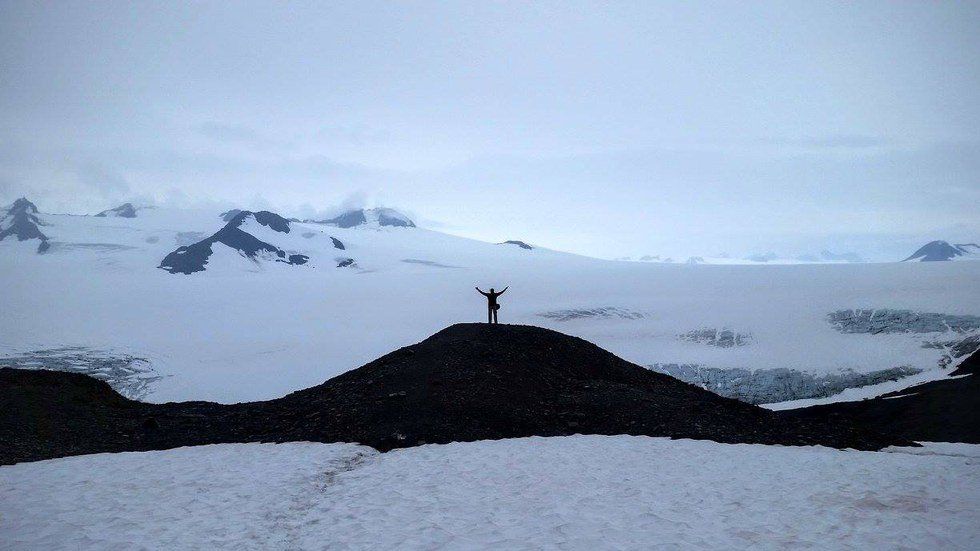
371	217
194	258
21	221
937	251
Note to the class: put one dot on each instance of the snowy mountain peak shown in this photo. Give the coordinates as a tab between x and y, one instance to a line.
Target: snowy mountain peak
239	235
22	205
229	214
21	221
371	217
269	219
942	251
125	210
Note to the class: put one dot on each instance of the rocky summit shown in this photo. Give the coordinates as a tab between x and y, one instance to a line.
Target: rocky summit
467	382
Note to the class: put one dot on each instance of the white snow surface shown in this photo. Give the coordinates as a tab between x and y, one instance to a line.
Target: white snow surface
251	330
579	492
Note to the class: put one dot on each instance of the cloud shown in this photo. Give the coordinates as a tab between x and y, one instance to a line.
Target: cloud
840	141
353	135
101	179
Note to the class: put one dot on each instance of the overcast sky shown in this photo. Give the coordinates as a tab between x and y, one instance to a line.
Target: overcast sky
612	128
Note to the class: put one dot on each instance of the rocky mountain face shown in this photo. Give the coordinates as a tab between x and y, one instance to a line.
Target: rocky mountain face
194	258
125	210
21	222
376	217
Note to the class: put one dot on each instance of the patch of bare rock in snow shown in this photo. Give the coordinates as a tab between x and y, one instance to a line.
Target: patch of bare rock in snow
579	492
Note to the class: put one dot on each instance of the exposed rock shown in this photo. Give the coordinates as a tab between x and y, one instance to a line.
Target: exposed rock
194	258
467	382
21	221
939	411
520	244
379	217
125	210
228	215
347	263
954	349
937	251
337	244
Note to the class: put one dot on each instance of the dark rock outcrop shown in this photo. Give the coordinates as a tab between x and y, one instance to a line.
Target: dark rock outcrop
194	258
940	411
21	221
360	217
337	244
228	215
467	382
520	244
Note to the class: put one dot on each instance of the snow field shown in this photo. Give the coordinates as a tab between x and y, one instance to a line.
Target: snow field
580	492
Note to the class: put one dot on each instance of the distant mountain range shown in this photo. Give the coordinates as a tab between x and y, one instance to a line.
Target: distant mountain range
21	221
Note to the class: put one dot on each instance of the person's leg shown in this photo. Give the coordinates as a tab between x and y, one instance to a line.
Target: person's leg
495	315
489	314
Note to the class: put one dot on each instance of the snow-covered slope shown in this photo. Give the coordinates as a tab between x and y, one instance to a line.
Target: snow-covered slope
247	330
578	492
934	251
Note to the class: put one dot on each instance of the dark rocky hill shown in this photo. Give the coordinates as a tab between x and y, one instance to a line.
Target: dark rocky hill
467	382
937	251
947	410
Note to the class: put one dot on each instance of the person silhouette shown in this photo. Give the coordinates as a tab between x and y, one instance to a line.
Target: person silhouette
492	305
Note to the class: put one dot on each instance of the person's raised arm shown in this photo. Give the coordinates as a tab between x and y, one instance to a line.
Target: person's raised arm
504	290
479	291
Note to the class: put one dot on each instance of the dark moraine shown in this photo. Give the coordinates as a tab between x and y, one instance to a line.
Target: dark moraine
947	410
467	382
